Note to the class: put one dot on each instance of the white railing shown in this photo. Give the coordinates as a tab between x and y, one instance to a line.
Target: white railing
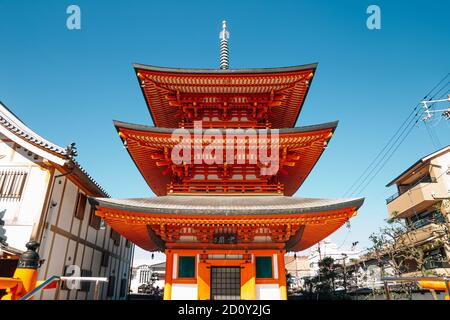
43	285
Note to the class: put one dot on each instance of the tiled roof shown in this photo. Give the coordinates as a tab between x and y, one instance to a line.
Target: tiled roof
140	127
12	123
420	162
157	82
227	205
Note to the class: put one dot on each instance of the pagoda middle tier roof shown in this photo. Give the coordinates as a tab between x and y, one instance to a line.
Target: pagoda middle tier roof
305	221
292	83
147	145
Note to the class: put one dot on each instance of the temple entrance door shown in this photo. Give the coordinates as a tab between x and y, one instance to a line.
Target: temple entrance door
225	283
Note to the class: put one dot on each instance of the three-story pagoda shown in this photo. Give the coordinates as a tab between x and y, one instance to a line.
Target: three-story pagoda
225	226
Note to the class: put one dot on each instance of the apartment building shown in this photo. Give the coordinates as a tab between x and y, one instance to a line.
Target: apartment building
422	201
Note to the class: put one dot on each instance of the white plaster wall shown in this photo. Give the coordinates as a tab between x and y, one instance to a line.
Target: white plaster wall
101	234
55	265
444	162
22	215
58	188
68	207
267	292
33	196
5	149
184	291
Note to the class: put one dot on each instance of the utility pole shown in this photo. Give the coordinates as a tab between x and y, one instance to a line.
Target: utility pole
296	271
318	249
429	113
345	272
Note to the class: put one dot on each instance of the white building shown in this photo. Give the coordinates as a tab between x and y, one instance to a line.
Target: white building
143	274
44	192
306	265
326	248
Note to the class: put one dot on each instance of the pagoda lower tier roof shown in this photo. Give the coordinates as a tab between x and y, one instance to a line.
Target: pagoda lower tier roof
293	83
148	146
294	223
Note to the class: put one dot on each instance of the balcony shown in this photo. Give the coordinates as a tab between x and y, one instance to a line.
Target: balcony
432	264
406	188
416	199
425	230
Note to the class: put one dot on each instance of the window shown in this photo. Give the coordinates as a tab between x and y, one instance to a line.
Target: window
186	267
123	287
263	267
94	220
105	259
144	276
81	205
85	285
115	236
425	218
111	286
12	184
128	243
225	283
435	259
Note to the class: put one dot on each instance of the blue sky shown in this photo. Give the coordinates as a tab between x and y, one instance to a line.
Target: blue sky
69	85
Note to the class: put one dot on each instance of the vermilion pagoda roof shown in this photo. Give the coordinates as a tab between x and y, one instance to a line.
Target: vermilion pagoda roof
146	144
227	206
256	208
295	223
291	82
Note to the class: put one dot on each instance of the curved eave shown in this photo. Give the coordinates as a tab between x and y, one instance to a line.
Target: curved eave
15	129
297	106
316	221
418	164
152	129
292	181
311	66
226	205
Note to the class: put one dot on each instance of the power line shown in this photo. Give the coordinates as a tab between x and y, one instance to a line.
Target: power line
396	148
393	152
433	136
380	152
397	136
390	156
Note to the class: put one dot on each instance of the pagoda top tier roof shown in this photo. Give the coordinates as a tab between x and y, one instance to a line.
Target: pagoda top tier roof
292	83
